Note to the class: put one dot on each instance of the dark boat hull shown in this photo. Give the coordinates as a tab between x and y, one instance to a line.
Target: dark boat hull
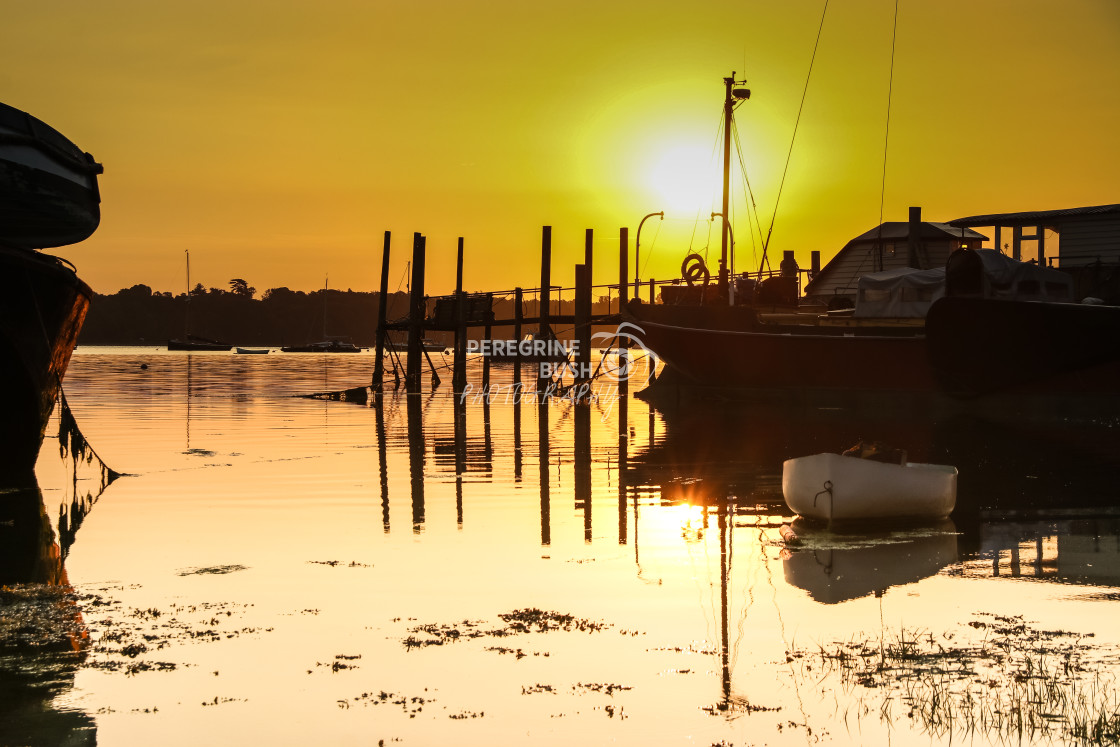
320	349
980	346
1028	361
43	306
198	347
730	349
48	187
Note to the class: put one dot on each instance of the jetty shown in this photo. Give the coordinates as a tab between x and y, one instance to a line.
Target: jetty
462	311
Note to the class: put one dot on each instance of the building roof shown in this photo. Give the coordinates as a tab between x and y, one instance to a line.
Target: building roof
900	231
855	259
1034	217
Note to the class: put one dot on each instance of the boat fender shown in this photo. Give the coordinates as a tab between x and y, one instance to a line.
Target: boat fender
788	535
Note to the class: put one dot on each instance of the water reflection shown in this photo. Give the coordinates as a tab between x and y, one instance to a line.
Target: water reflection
416	448
44	640
1081	551
836	567
543	472
695	491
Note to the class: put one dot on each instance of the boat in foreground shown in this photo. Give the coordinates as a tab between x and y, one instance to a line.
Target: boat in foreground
48	197
42	306
48	185
832	487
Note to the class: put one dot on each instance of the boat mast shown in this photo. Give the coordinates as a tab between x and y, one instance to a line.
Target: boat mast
731	96
187	318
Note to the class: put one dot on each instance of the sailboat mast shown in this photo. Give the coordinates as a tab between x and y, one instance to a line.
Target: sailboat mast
731	95
187	318
728	106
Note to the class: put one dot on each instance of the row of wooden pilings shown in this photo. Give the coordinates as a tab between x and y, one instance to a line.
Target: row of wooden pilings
581	320
467	314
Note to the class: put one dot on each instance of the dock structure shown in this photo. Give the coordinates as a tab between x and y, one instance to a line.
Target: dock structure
461	311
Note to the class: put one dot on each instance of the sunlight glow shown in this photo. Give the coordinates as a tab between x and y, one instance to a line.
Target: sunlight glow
686	177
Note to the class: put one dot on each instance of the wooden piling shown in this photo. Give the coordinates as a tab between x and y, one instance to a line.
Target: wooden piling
652	289
623	296
518	297
544	331
382	311
459	376
416	316
486	335
623	267
583	323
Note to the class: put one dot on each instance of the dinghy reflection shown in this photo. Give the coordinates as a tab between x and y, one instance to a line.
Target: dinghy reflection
835	567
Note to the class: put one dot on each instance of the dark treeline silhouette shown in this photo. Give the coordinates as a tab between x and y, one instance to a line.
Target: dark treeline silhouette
280	316
137	316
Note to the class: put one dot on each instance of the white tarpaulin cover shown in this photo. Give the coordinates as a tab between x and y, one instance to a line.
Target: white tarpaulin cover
907	293
902	293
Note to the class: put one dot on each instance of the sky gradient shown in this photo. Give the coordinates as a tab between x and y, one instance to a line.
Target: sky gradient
279	141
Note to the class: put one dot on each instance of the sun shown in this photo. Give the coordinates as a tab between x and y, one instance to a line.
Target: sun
686	177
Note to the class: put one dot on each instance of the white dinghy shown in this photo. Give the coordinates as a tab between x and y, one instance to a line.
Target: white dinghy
832	487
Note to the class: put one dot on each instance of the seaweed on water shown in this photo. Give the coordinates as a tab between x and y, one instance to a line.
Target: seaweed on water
72	443
518	622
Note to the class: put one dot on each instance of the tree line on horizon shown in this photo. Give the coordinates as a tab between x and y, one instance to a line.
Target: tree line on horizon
280	316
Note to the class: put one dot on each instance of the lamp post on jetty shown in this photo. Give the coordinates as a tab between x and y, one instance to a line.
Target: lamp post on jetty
637	249
729	233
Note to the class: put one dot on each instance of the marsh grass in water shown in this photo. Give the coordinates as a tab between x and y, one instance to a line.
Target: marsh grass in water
518	622
1012	682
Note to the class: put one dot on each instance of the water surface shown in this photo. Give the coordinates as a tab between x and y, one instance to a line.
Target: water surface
289	570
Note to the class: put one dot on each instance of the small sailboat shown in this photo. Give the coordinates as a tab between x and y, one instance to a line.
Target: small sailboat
191	342
833	487
328	344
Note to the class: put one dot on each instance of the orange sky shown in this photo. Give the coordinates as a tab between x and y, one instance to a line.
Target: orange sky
277	141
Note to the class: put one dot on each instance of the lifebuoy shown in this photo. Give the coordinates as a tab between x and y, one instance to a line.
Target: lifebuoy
693	269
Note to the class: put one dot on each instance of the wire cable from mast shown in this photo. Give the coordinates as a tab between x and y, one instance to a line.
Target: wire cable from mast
796	124
886	136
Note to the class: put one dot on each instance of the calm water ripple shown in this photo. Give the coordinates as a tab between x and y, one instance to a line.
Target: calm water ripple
290	570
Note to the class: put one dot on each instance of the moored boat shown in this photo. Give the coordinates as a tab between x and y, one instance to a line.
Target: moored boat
48	197
426	344
196	344
252	351
42	306
326	346
48	186
832	487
